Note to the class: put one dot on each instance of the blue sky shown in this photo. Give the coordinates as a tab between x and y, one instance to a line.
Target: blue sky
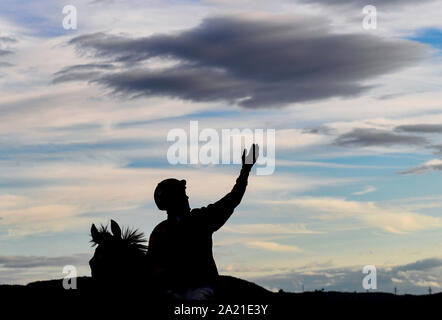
356	113
431	36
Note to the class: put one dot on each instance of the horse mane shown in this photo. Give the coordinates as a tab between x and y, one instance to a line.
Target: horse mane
133	238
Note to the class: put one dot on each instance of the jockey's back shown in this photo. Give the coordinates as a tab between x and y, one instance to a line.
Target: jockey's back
181	253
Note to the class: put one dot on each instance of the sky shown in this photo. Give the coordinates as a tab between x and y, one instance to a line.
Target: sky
85	114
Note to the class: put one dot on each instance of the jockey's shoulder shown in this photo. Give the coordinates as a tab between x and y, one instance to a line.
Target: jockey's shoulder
161	227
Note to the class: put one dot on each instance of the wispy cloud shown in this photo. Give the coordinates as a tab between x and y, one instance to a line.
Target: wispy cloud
28	262
431	165
272	246
385	218
267	228
367	189
366	137
291	163
420	128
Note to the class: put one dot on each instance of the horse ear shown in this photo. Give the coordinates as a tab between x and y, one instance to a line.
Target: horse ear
116	231
95	234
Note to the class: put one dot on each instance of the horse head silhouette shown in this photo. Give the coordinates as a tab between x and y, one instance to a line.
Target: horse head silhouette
120	256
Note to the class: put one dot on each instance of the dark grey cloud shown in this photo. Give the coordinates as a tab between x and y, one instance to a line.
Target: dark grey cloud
81	72
5	64
75	76
8	40
76	127
414	278
366	137
266	62
86	67
420	265
5	42
319	130
4	52
18	262
437	148
102	2
420	128
363	3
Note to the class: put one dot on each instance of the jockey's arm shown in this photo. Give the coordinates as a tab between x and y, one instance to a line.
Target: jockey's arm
217	214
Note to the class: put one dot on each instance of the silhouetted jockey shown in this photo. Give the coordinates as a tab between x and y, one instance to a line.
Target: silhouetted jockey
180	248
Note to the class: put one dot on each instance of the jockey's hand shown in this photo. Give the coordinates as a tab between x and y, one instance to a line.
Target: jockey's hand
250	159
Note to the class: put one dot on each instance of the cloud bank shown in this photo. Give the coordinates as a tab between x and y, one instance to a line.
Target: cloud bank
27	262
363	3
414	278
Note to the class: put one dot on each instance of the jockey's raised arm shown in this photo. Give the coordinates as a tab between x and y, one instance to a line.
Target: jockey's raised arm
218	213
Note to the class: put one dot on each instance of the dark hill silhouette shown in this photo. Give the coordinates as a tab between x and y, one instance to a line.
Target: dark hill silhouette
49	297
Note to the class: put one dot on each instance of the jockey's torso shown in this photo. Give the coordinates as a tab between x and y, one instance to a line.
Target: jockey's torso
181	253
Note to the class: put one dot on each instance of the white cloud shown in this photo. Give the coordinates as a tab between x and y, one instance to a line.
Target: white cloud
40	219
367	189
386	218
426	284
272	246
267	228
